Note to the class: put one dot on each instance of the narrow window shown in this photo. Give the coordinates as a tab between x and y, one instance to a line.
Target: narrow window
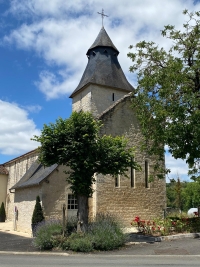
94	53
117	181
132	175
146	170
72	202
113	97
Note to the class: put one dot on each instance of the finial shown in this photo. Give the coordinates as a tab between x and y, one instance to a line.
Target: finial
102	15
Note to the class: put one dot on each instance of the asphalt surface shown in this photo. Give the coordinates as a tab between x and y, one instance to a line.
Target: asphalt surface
137	245
10	242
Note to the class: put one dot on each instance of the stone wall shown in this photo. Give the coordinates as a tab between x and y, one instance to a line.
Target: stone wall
24	203
17	168
96	98
3	188
126	201
53	192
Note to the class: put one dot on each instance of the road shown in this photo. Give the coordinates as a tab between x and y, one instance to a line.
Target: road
98	260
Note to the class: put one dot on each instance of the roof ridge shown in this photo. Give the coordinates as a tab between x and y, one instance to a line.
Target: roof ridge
21	156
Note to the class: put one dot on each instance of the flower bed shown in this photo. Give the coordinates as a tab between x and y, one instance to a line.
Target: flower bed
168	226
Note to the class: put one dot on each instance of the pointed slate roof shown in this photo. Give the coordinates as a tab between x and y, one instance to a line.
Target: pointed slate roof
103	67
35	175
103	40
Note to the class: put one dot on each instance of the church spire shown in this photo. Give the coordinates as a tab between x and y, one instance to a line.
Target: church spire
103	68
102	40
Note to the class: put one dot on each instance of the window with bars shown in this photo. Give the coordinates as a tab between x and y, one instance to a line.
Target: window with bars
72	202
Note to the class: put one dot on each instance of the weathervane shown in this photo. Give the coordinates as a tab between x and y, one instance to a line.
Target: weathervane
102	15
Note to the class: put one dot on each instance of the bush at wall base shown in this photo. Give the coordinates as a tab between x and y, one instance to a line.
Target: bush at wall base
37	216
2	213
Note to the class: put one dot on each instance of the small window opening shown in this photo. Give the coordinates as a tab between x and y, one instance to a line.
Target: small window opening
146	170
132	175
113	97
72	202
105	51
94	53
117	181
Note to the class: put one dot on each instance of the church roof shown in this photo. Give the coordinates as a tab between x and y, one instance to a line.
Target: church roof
103	67
3	170
35	151
103	40
35	175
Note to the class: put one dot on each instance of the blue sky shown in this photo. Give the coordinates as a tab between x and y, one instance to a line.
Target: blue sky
42	51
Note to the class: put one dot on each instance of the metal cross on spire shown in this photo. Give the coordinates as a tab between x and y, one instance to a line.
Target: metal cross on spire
102	15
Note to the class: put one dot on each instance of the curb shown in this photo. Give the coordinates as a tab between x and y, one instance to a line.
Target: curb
152	239
179	236
35	253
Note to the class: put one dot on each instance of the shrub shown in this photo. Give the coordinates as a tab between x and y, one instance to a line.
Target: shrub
45	233
103	234
71	225
80	242
2	213
106	233
37	212
194	224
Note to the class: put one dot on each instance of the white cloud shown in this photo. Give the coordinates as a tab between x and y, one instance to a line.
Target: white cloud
54	86
32	108
178	167
16	130
61	31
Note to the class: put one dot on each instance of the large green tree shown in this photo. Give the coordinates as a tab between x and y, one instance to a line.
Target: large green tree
167	98
191	195
76	142
183	195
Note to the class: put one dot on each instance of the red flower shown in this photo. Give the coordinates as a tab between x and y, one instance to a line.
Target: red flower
137	219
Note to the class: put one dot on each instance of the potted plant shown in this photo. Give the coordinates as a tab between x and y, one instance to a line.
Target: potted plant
37	216
2	213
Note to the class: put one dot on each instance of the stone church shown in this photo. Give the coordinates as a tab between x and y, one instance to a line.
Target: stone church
105	92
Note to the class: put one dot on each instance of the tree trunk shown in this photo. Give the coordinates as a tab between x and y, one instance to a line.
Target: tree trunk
82	213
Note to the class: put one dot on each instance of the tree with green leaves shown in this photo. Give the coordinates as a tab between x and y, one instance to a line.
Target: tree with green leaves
167	98
37	212
191	195
76	142
2	213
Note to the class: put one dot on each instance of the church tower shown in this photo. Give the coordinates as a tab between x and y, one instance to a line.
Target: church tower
103	81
